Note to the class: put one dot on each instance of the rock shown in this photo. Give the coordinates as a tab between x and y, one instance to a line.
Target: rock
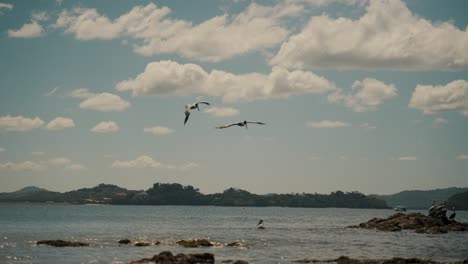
194	243
233	244
142	244
61	243
125	241
167	257
347	260
414	221
241	262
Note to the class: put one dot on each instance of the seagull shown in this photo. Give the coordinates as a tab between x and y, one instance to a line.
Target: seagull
260	224
189	107
244	123
452	216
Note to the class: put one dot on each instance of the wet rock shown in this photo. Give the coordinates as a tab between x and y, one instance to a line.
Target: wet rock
194	243
167	257
125	241
241	262
347	260
142	244
233	244
414	221
61	243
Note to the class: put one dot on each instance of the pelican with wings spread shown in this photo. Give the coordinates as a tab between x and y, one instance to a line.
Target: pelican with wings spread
241	124
189	107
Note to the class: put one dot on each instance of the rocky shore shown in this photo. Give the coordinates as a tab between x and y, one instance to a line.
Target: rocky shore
347	260
414	221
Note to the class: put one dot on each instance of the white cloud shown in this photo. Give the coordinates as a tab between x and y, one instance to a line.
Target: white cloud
75	167
26	165
61	161
148	162
2	149
30	30
5	6
158	130
408	158
60	123
172	78
105	127
367	126
218	38
440	121
105	102
462	157
40	16
52	92
387	36
81	93
327	124
441	98
370	94
38	153
19	123
222	111
329	2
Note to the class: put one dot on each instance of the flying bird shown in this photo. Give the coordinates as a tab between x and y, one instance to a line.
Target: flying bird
243	123
189	107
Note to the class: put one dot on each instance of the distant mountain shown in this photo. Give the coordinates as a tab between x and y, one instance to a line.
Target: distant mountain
420	199
29	190
177	194
459	201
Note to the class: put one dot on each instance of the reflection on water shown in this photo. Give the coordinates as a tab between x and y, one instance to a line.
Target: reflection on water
291	233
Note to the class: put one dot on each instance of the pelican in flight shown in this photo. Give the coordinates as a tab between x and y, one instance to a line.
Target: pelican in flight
189	107
243	123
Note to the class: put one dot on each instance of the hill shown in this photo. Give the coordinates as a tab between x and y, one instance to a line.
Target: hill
459	201
415	199
29	190
176	194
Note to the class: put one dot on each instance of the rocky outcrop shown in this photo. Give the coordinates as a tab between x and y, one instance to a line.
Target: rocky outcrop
167	257
125	241
347	260
142	244
61	243
233	244
194	243
414	221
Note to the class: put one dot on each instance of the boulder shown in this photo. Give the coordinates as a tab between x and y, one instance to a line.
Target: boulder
142	244
194	243
61	243
125	241
167	257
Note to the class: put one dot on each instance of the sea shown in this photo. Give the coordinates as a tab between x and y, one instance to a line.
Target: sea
290	234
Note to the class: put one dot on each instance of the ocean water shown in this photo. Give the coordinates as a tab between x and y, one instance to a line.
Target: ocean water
291	233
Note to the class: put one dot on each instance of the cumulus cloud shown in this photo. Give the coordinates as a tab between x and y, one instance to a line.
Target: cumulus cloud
387	36
75	167
172	78
104	102
60	123
441	98
408	158
327	124
81	93
26	165
39	16
105	127
158	130
148	162
222	111
29	30
370	93
60	161
462	157
19	123
215	39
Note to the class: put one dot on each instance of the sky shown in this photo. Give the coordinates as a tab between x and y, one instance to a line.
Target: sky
357	95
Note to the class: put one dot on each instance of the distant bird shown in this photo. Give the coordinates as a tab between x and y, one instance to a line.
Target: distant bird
452	216
260	224
189	107
432	208
244	123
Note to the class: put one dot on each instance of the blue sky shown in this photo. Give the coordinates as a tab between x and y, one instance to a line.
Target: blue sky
357	95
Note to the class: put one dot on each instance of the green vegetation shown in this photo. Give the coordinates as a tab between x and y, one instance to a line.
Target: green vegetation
177	194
